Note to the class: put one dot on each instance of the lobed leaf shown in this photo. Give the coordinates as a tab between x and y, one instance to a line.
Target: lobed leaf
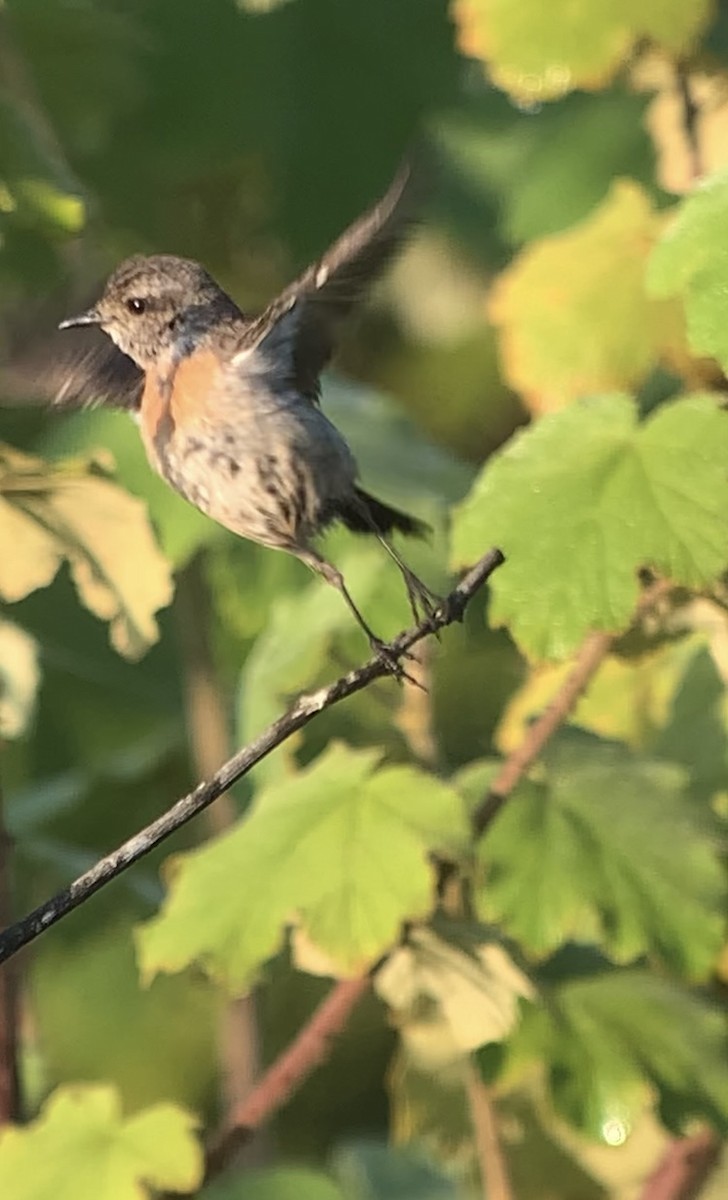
582	500
81	1138
609	849
343	844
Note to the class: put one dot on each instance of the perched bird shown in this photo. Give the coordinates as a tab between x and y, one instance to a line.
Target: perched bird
228	405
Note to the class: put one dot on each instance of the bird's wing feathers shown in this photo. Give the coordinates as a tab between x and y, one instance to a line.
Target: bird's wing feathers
303	320
72	371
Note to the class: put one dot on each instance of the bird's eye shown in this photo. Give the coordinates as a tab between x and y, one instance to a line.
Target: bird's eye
135	305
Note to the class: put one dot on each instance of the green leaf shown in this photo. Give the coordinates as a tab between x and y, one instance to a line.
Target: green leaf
19	679
343	844
572	311
51	513
81	1139
374	1171
538	52
610	1041
585	497
182	529
288	655
275	1183
691	260
608	849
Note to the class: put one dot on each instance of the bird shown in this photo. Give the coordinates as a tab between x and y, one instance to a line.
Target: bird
228	405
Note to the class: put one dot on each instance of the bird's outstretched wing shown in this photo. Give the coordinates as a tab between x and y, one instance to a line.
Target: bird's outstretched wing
71	371
301	324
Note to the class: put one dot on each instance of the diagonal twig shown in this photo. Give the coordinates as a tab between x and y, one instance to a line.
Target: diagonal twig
301	712
591	654
283	1077
684	1168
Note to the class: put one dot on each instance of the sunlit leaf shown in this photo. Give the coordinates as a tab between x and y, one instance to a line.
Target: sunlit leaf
52	513
449	1001
343	844
19	679
539	52
572	310
583	499
81	1138
691	260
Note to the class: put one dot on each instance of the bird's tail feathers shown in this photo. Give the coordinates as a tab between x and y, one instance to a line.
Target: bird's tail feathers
364	514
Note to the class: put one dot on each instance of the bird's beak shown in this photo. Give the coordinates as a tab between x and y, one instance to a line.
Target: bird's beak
90	317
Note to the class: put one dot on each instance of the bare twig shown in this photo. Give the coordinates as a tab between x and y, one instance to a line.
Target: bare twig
308	1049
684	1168
301	712
691	115
494	1174
10	1100
590	657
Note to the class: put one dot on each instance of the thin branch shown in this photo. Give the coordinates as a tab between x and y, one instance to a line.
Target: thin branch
684	1168
301	712
590	657
691	116
10	1096
309	1049
494	1174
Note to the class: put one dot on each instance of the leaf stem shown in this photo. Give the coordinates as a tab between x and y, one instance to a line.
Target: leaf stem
684	1168
589	658
494	1174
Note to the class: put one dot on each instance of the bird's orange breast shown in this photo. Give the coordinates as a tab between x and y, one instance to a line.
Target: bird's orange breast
178	396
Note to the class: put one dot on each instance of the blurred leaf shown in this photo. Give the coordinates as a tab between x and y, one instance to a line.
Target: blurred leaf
56	512
583	499
608	849
600	138
88	980
342	843
665	120
610	1039
274	1183
572	310
397	463
261	6
374	1171
695	733
182	528
439	993
58	209
81	1139
288	655
19	679
691	261
538	52
633	700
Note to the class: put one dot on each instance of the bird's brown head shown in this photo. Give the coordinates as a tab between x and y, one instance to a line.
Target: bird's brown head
150	305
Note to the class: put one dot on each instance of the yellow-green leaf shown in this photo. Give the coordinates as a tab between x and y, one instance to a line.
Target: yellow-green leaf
342	844
572	310
82	1148
540	51
19	679
49	513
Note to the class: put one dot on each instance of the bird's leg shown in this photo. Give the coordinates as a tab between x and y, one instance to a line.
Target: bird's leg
333	576
423	601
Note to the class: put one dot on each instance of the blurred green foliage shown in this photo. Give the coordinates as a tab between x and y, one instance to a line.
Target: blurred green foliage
556	261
